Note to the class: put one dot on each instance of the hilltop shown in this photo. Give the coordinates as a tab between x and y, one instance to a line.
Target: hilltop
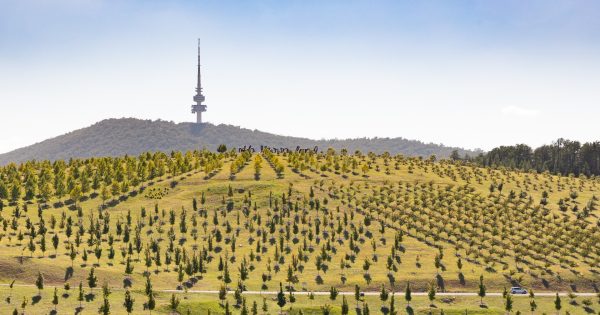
115	137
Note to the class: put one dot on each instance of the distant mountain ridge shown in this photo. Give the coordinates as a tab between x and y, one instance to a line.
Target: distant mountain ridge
115	137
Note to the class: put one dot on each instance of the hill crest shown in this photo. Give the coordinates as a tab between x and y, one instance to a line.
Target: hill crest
115	137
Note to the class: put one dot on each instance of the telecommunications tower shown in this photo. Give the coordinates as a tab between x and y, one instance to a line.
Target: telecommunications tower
198	108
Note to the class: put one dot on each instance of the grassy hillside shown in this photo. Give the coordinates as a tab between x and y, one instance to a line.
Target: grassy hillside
117	137
203	221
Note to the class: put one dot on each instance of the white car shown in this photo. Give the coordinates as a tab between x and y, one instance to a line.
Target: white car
517	290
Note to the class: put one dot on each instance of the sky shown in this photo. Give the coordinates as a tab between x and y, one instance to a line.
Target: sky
473	74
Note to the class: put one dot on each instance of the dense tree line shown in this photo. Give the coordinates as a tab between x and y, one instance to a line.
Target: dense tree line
44	180
561	157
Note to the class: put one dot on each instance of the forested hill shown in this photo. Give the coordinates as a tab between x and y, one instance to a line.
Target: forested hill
561	157
115	137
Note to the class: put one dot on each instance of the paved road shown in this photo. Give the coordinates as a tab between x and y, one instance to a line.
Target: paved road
397	293
348	293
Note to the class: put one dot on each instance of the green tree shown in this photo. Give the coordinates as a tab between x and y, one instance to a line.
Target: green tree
532	304
105	194
105	306
431	295
55	241
174	302
24	304
151	304
244	310
81	295
481	292
408	294
557	303
383	296
508	304
92	279
392	306
345	308
222	294
39	283
333	293
281	298
265	306
55	298
129	301
75	194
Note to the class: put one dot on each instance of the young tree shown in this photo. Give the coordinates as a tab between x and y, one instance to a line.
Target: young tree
75	194
148	288
55	298
174	303
81	296
129	301
222	294
104	194
92	279
408	294
105	306
151	304
11	285
383	296
508	304
244	310
55	242
532	304
431	295
557	304
24	304
39	283
392	306
72	255
481	292
265	306
333	293
345	308
365	309
281	298
357	294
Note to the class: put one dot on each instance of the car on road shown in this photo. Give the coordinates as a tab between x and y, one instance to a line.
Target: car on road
517	290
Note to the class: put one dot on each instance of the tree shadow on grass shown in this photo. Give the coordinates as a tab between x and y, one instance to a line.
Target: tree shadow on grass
90	297
36	299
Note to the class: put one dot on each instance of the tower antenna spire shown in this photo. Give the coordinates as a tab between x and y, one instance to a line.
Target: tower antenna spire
199	86
199	108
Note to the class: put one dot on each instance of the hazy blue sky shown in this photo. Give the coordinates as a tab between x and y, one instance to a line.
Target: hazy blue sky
475	74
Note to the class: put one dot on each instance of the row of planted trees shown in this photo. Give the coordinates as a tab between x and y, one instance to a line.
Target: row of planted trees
45	180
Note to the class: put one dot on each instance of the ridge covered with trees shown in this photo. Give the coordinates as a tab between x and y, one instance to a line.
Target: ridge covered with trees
561	157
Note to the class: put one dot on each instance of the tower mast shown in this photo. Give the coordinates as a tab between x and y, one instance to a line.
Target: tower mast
199	108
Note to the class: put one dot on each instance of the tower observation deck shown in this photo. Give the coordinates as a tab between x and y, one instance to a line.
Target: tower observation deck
199	98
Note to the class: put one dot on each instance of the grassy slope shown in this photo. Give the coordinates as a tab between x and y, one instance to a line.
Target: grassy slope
191	185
